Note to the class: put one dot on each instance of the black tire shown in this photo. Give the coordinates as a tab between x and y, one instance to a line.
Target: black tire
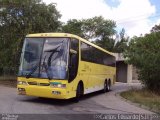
105	87
78	93
108	86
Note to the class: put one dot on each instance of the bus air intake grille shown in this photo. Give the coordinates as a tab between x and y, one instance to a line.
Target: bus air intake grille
44	84
32	83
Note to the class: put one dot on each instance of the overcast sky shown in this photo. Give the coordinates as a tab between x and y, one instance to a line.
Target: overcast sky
135	16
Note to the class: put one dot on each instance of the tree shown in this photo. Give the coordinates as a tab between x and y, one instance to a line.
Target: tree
156	28
74	27
144	53
101	30
96	28
121	44
21	17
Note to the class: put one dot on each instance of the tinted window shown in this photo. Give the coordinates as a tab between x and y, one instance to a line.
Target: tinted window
92	54
85	52
109	60
97	55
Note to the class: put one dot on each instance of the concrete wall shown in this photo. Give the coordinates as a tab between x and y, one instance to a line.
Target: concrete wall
121	71
129	73
125	72
134	75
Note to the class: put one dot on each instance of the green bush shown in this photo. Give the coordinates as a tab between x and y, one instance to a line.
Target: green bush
144	53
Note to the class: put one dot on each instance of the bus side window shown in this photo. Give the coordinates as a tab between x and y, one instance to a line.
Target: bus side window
74	57
86	54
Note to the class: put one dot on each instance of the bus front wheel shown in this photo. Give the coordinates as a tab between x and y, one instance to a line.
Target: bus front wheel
78	92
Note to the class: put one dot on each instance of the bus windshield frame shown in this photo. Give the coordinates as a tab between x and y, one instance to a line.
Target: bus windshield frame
45	57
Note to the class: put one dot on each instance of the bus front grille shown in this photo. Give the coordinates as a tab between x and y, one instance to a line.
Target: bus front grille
38	84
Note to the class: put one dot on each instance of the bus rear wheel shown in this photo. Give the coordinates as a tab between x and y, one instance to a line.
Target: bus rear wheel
107	86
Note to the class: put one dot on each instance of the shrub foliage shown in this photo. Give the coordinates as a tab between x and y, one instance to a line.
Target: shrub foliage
144	53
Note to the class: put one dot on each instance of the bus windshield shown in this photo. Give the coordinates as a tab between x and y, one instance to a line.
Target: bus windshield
44	58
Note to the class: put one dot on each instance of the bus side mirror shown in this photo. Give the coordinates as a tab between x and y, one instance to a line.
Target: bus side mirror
73	55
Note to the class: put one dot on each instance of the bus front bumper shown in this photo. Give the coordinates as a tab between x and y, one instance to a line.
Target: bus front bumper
43	91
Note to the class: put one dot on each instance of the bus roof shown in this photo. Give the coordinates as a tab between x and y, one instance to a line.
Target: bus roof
68	35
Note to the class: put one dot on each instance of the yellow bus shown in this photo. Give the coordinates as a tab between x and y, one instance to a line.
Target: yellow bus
63	66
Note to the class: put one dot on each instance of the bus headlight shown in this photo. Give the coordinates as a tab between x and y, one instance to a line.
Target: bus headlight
21	82
58	85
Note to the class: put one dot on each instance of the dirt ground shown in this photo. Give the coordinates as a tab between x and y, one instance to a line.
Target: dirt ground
9	83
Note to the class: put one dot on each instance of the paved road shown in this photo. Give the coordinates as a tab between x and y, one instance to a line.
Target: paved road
98	102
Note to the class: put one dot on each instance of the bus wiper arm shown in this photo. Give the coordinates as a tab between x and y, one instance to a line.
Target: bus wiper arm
46	68
32	71
35	68
53	50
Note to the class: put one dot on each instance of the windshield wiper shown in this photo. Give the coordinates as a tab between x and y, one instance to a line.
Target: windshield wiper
43	65
53	51
32	71
35	68
46	68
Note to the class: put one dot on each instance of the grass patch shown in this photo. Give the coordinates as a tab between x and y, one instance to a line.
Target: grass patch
143	97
